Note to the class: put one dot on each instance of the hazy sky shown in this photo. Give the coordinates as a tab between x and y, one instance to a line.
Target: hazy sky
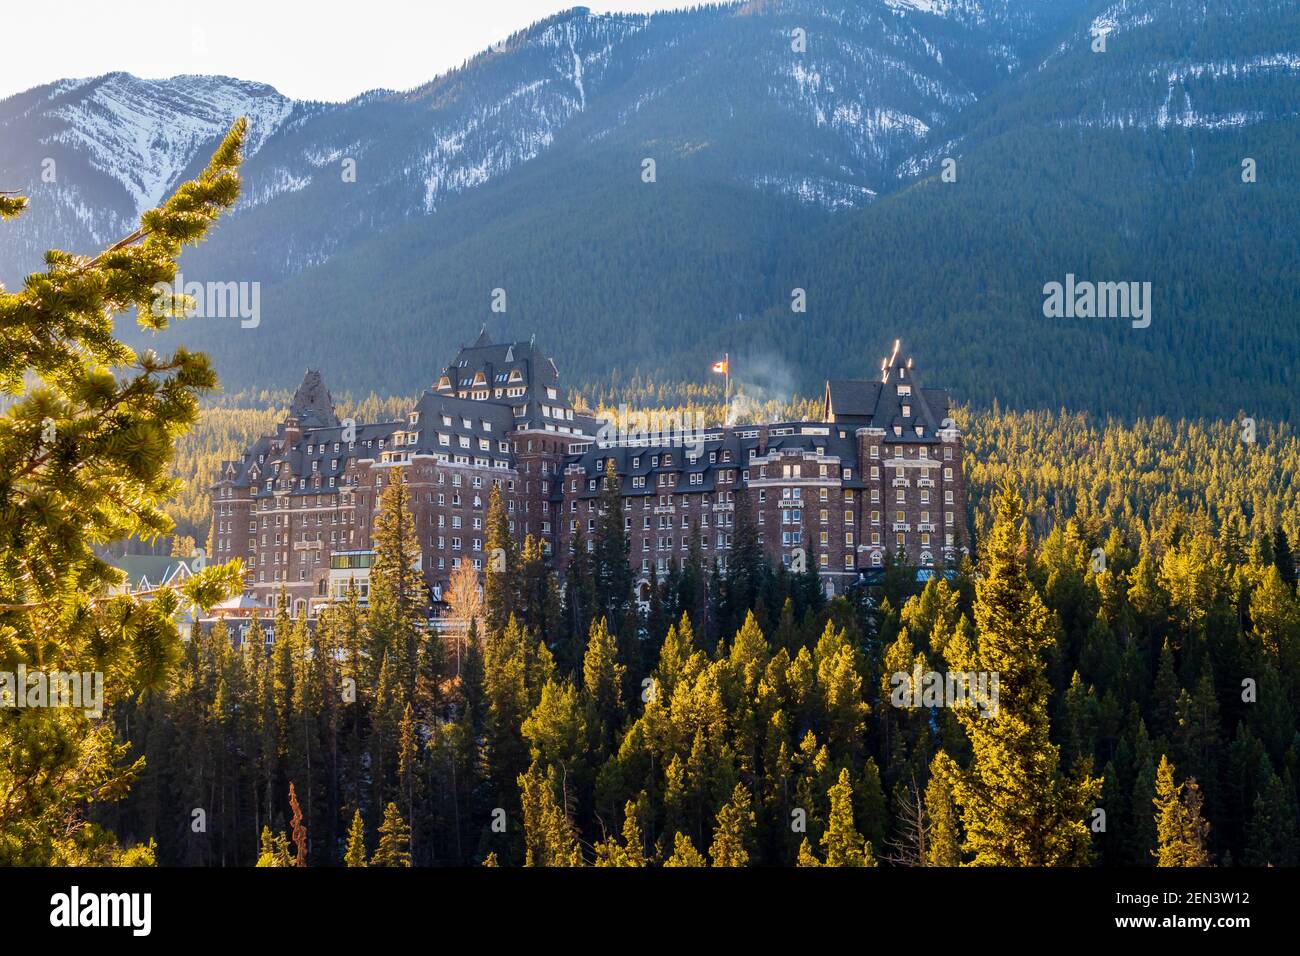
326	50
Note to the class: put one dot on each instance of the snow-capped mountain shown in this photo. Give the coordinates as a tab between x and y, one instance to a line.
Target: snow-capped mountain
794	143
93	154
820	102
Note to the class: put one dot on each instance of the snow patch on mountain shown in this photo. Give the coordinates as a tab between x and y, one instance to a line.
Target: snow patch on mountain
145	133
327	156
267	186
1228	69
937	7
816	190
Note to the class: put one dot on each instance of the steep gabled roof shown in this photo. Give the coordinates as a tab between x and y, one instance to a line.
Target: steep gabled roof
312	404
846	398
895	401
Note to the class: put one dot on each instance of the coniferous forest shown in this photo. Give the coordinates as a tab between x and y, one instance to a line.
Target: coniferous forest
1133	586
744	719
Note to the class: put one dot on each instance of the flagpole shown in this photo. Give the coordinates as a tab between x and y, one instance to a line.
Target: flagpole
726	368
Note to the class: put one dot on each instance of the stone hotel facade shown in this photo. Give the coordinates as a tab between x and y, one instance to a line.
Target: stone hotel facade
881	471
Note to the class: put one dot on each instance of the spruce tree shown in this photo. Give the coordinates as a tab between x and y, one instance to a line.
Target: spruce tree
602	681
580	604
86	448
1182	835
734	831
612	572
684	853
549	836
539	602
394	840
275	850
1283	559
945	828
1017	808
501	577
398	598
356	852
841	842
745	563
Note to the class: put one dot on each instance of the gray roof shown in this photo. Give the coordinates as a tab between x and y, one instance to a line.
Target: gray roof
896	403
312	404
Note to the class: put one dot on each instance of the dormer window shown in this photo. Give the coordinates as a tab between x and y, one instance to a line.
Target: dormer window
415	417
907	411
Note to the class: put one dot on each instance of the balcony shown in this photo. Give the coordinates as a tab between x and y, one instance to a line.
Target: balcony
724	506
925	482
901	482
925	527
902	526
308	545
665	510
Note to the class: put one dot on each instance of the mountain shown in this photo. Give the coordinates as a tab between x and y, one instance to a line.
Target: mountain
796	145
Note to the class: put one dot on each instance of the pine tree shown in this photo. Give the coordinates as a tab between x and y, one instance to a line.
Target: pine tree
408	770
1018	810
945	828
579	601
684	853
745	563
1181	832
1272	836
602	679
1164	709
734	832
86	447
397	592
549	836
841	842
1283	559
394	840
501	579
613	573
275	850
631	853
356	853
539	603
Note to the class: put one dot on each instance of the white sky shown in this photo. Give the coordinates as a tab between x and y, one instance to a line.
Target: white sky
324	50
